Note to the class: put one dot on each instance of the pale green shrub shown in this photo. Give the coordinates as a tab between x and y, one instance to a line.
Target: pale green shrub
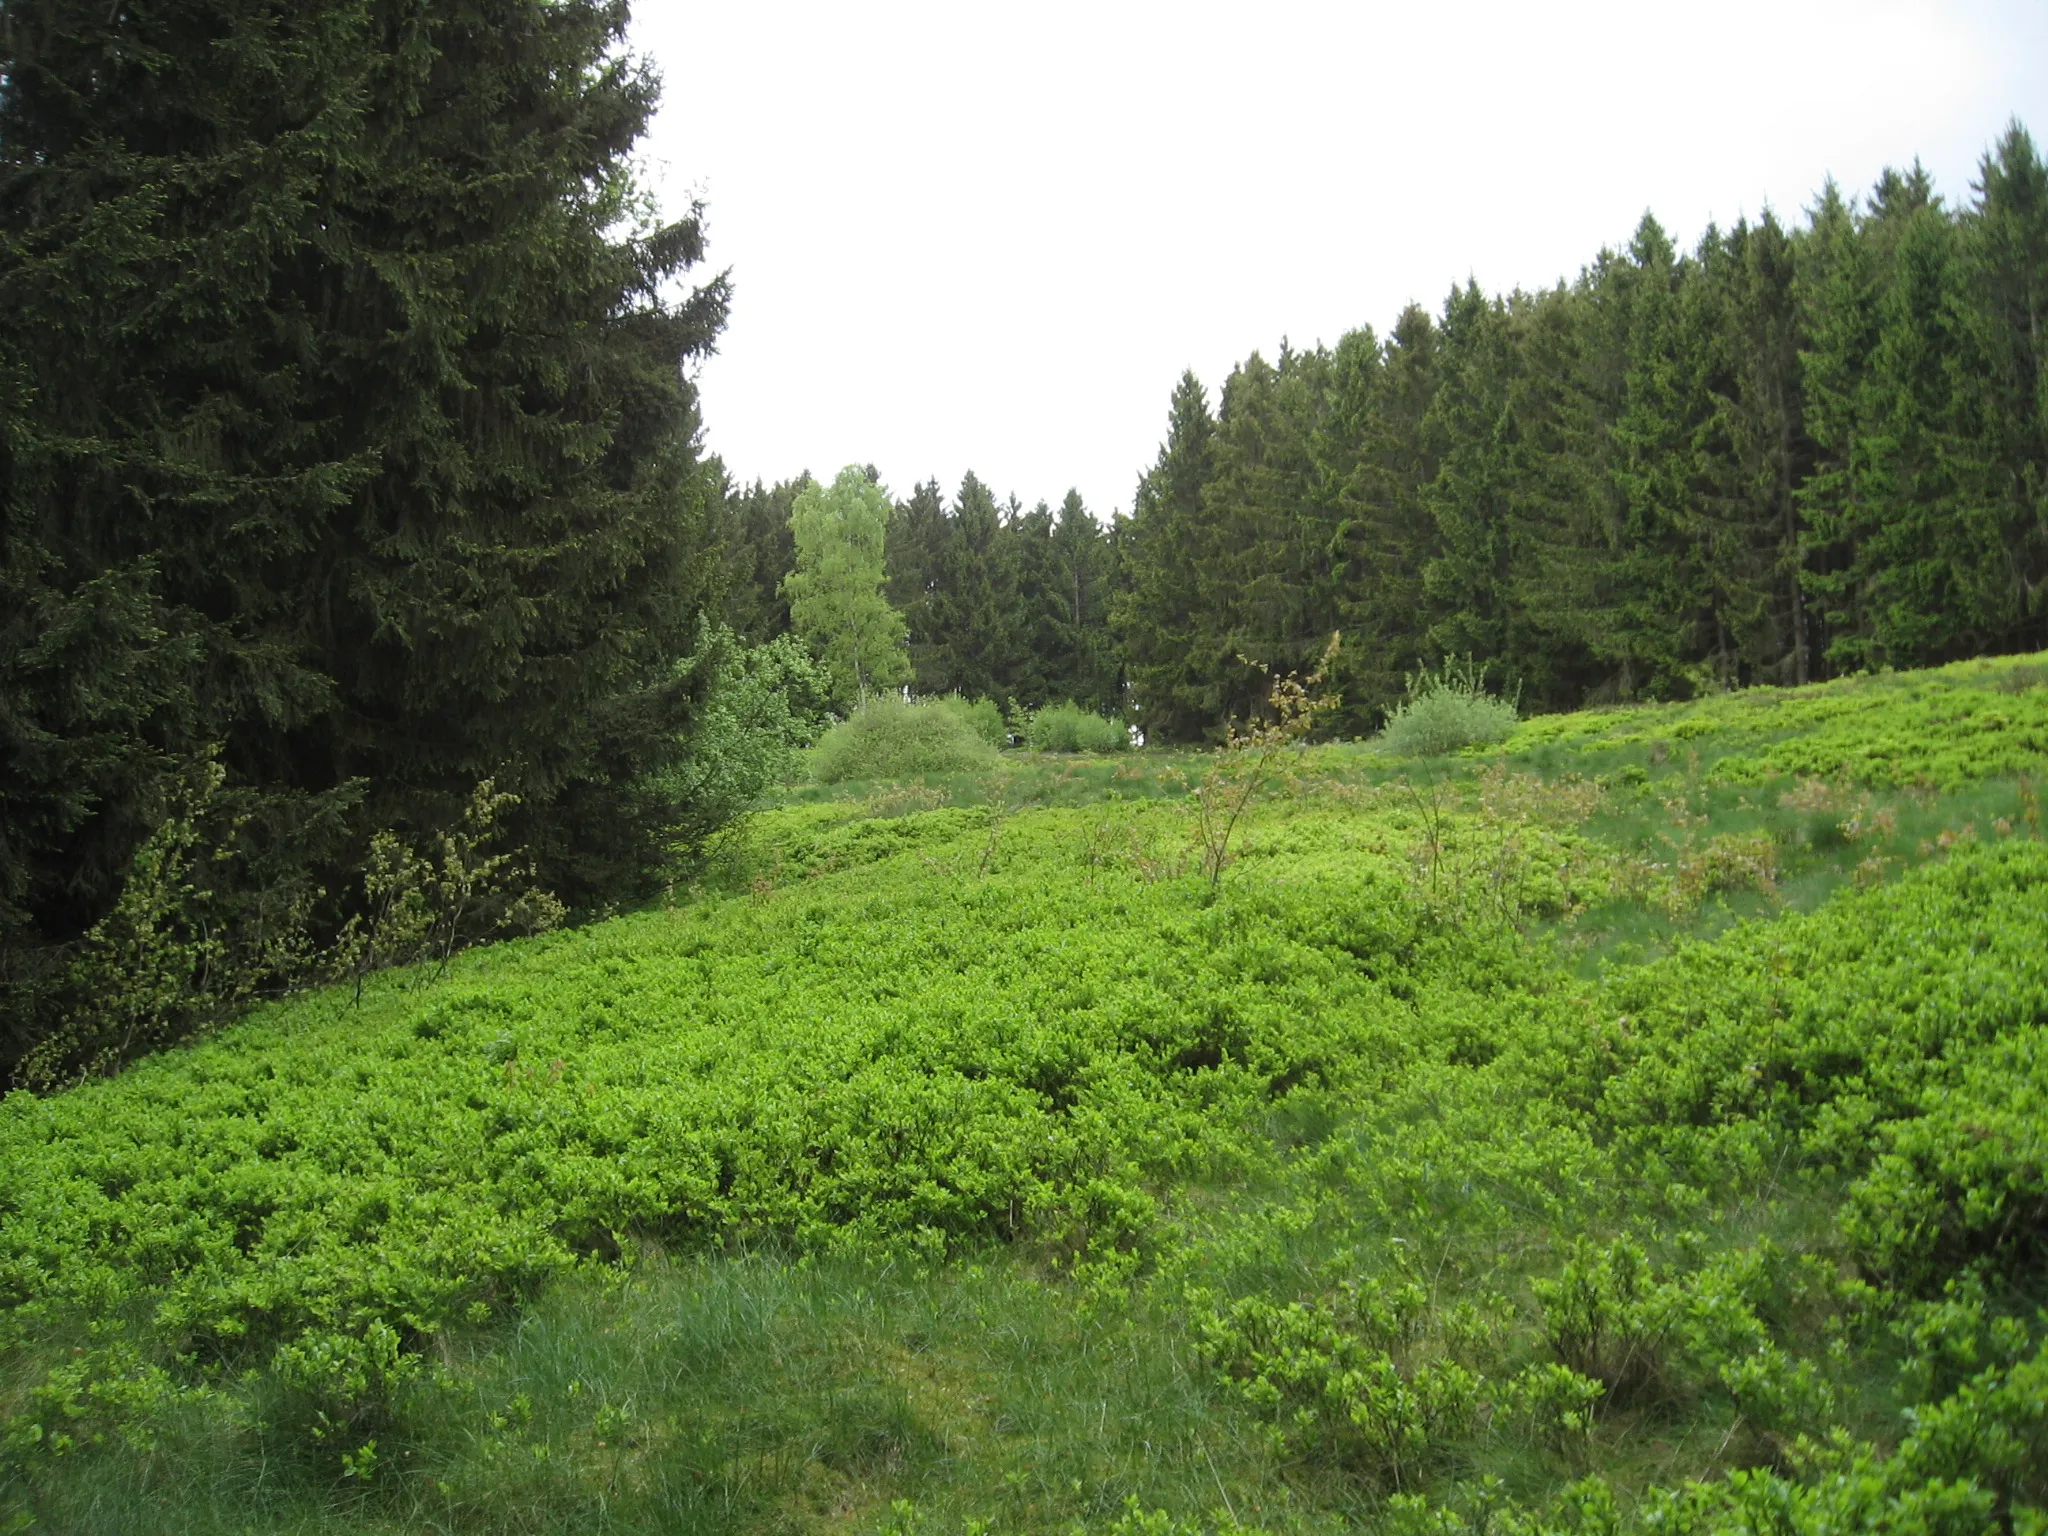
887	738
1070	728
1446	711
979	715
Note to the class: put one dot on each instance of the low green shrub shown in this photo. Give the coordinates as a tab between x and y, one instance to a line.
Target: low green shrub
887	738
1446	711
765	705
1070	728
979	715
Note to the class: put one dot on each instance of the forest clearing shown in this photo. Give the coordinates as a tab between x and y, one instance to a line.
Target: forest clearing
1638	1125
615	917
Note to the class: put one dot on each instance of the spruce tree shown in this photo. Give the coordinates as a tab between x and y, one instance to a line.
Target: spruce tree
1558	445
1164	547
972	604
918	531
1036	666
1468	582
2007	255
1927	556
1743	337
759	551
1651	598
1269	582
1373	460
1083	667
1836	283
326	367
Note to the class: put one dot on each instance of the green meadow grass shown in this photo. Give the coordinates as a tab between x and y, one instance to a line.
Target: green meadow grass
1638	1126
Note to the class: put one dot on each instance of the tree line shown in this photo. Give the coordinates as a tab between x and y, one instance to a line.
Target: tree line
1788	453
996	601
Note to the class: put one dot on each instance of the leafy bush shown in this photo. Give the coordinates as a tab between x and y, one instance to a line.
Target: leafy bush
1446	711
887	738
767	703
1070	728
979	715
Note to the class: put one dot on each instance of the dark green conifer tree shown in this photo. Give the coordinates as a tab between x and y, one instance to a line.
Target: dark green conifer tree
1025	551
1083	664
1847	268
760	552
1468	582
1268	588
1165	546
1651	600
1743	333
971	606
326	371
1373	460
919	532
2006	252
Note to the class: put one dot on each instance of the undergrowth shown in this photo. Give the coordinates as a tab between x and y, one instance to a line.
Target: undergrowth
1640	1127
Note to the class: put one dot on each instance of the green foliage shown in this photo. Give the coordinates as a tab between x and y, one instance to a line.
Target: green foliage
766	704
346	435
887	738
171	958
979	716
468	890
1446	711
1070	728
967	1165
1940	729
1332	1385
836	602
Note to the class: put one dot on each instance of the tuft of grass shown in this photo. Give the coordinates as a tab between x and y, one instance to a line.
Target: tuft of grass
718	1393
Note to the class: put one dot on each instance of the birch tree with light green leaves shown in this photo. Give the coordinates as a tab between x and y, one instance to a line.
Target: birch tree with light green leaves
836	601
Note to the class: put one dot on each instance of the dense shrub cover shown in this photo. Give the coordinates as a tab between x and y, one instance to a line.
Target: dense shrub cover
887	738
979	715
1069	728
1356	1194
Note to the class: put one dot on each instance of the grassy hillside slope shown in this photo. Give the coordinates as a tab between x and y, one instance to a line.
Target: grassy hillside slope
1643	1126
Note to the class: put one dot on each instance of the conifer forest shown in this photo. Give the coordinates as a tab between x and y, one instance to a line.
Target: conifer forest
1473	962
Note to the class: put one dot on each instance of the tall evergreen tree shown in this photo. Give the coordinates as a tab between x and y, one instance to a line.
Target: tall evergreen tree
1164	547
1269	583
1836	284
973	600
1751	450
1468	582
1558	448
1855	407
328	369
1374	458
1651	599
760	552
1083	662
918	534
2007	277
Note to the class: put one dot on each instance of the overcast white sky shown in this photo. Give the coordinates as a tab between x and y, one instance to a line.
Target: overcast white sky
970	235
